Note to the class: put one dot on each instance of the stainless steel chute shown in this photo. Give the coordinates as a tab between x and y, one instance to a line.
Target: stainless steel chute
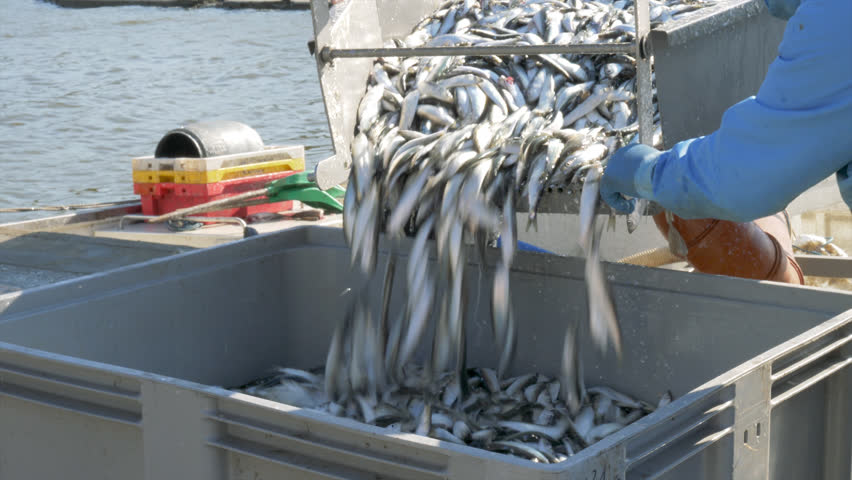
692	56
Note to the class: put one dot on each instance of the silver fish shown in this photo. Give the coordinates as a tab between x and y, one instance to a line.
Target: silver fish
478	101
494	95
436	91
463	106
368	110
494	414
603	322
519	448
571	373
445	146
586	106
619	398
408	201
535	185
536	84
553	433
436	114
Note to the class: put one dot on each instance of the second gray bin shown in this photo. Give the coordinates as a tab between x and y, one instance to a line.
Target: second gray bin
119	375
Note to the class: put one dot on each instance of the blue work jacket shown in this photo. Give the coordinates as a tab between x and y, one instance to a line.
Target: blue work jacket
773	146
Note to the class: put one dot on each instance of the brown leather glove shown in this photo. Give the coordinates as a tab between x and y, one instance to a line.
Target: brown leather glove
761	249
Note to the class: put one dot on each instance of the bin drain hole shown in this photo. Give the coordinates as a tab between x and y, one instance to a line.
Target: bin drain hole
745	436
757	430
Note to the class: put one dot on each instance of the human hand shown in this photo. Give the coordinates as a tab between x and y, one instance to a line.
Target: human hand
627	174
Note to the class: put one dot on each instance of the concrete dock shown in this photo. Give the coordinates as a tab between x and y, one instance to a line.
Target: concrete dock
230	4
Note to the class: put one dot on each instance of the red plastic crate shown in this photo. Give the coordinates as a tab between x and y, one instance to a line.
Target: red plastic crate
160	198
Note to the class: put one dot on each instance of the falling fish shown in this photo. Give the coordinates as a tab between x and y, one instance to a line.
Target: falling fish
446	150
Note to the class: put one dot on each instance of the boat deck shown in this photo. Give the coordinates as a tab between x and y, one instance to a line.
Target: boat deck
41	252
45	251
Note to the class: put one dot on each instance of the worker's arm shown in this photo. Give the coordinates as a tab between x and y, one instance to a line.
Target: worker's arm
769	148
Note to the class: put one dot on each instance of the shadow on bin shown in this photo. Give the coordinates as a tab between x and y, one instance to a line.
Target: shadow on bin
526	247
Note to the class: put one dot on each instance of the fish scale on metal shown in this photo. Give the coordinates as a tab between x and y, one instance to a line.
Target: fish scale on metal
448	145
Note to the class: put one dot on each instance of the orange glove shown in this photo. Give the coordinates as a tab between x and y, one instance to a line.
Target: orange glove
761	249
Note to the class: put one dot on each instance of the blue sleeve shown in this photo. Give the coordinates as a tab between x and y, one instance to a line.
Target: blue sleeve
770	148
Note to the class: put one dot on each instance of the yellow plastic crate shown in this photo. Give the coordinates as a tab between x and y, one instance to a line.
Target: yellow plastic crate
217	169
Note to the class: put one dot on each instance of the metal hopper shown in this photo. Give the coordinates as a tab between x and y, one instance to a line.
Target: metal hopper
692	59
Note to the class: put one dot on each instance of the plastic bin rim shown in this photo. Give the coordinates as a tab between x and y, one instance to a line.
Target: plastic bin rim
658	417
525	262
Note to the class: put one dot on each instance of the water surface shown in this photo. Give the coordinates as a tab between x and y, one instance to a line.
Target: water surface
82	91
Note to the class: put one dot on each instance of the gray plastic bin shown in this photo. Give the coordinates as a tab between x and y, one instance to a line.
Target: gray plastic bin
119	375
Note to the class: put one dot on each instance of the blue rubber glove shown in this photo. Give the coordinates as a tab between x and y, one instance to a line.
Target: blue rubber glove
772	147
629	172
783	9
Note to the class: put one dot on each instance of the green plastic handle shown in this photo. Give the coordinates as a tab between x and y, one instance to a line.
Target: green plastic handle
297	180
299	187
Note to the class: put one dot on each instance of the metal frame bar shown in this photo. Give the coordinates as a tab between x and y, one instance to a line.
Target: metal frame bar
644	92
328	54
825	266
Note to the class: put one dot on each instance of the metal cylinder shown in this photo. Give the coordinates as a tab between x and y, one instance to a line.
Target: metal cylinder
209	139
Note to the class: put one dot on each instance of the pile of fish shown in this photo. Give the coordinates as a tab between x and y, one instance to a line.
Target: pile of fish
522	416
447	149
